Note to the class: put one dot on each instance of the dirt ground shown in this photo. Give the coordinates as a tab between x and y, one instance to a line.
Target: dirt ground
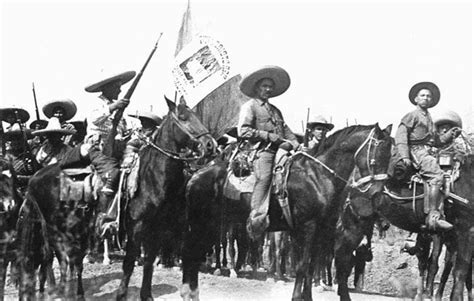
389	276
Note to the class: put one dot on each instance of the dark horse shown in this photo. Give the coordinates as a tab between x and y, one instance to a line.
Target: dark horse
10	202
49	225
159	206
399	210
315	185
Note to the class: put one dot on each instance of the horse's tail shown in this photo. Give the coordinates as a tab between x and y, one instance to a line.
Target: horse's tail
30	237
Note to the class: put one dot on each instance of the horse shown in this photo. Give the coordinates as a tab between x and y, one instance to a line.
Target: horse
50	225
159	204
402	211
10	202
314	185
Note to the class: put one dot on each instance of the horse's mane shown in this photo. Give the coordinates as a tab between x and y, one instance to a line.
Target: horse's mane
341	135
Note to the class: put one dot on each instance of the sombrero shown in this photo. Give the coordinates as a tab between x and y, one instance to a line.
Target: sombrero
277	74
54	126
320	120
15	131
122	78
435	93
23	115
38	124
68	105
448	117
148	115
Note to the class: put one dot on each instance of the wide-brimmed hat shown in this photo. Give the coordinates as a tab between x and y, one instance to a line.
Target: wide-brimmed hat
280	77
68	105
54	126
147	115
320	120
22	114
40	123
448	117
15	132
123	78
80	126
435	93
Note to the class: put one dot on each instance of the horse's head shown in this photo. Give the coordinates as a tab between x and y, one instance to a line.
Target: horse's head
187	131
372	156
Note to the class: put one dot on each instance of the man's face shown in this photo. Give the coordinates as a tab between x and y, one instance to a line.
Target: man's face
59	113
423	98
319	132
264	88
112	90
443	128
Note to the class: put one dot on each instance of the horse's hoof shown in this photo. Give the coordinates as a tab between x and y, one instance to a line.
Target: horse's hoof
217	272
233	274
106	261
176	269
319	289
160	266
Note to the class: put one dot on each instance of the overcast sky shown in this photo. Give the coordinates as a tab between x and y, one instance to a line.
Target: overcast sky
347	60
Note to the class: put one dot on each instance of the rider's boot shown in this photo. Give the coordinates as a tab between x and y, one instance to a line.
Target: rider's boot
435	219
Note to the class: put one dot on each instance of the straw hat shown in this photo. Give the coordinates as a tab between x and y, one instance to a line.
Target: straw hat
448	117
23	115
435	93
68	105
122	78
54	126
147	115
320	120
41	124
280	77
15	132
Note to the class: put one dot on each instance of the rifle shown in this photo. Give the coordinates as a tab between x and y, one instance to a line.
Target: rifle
28	158
36	103
306	133
109	145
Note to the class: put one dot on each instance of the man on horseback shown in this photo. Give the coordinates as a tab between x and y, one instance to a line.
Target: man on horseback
415	138
318	127
100	123
262	124
17	146
54	149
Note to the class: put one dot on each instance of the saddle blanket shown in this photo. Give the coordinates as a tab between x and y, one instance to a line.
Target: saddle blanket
234	186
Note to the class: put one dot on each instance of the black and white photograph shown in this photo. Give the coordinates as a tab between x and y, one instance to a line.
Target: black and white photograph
236	150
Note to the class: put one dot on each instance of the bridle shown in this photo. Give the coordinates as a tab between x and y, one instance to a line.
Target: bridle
372	143
194	136
371	162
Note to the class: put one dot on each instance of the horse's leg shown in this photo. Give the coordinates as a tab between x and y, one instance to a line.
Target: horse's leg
150	247
423	247
132	251
243	248
346	242
329	259
433	263
302	243
462	265
279	260
359	269
231	236
448	265
106	260
469	283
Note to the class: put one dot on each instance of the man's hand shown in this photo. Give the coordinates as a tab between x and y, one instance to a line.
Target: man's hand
286	146
406	161
119	104
274	138
455	132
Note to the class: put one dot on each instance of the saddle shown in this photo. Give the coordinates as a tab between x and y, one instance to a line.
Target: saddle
77	185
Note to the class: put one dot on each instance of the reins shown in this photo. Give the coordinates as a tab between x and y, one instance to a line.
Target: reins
351	182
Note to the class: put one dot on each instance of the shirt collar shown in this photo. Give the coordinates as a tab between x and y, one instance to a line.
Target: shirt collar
422	112
261	102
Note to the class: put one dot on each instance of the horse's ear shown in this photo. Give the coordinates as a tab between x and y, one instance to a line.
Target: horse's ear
171	104
182	101
388	130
